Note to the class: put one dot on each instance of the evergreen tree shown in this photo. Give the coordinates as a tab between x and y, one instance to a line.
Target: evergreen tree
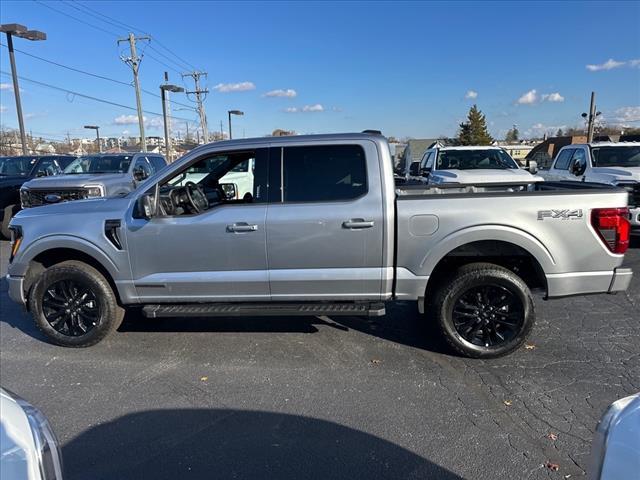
559	133
474	130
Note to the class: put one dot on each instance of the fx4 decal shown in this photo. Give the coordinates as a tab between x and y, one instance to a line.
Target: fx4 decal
561	214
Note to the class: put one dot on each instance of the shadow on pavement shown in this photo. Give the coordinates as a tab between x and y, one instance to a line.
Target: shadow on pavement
221	443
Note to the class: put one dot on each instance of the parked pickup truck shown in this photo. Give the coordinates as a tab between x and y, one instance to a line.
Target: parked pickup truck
325	232
15	171
471	165
99	175
608	163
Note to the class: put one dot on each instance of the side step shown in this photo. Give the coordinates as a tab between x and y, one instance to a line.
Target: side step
262	309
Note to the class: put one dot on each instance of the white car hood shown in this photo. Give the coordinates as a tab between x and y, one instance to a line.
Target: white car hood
615	174
483	176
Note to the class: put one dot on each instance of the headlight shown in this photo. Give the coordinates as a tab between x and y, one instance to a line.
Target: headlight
16	240
25	198
94	191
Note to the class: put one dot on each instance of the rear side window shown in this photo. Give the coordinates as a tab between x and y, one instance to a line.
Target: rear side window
564	157
323	173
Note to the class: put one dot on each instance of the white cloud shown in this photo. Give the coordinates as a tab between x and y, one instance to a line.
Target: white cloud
471	94
234	87
539	129
289	92
627	114
634	63
127	120
336	109
608	65
317	107
6	86
552	97
3	108
313	108
528	98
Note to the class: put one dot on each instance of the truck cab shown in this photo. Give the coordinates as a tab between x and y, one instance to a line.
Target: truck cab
471	164
609	163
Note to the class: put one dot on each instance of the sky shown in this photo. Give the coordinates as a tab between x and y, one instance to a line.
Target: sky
409	69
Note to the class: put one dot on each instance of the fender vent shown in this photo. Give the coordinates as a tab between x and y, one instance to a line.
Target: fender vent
111	231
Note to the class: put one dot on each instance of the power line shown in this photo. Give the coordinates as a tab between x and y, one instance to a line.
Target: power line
76	18
95	75
97	99
130	27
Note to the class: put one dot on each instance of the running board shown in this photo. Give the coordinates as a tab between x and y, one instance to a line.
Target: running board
262	309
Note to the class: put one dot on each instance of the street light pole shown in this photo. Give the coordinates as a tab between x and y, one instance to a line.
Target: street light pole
97	129
233	112
21	31
163	89
591	118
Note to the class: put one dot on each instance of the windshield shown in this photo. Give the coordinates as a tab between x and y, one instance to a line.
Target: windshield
616	156
474	160
16	165
99	164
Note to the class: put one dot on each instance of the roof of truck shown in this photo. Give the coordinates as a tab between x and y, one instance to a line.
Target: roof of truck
606	144
302	138
472	147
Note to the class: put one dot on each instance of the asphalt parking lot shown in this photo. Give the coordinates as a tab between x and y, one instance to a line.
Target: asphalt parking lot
327	398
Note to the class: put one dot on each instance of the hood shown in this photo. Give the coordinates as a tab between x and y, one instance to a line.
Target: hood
76	180
90	206
484	176
9	180
629	174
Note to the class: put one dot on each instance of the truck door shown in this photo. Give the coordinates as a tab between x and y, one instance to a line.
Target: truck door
216	254
325	227
560	168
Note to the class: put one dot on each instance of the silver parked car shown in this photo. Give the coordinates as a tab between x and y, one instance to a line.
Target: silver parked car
325	231
91	176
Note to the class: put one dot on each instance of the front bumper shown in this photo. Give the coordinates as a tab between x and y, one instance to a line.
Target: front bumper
16	289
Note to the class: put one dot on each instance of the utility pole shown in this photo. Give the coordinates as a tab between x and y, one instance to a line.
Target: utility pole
198	92
591	117
134	62
164	88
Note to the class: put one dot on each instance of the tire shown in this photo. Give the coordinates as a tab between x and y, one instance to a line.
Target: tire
7	215
86	322
484	311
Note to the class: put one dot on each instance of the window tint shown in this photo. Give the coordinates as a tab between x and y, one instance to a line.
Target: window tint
430	159
158	163
564	157
46	167
324	173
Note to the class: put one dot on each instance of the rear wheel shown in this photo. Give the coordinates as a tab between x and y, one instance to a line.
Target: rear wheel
74	305
484	311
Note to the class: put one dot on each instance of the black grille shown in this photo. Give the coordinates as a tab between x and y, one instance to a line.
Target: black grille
37	197
634	196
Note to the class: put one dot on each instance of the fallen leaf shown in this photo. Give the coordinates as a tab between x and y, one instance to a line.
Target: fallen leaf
567	476
554	467
375	361
508	403
204	379
552	436
529	346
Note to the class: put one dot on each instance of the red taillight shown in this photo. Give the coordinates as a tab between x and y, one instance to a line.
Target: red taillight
613	227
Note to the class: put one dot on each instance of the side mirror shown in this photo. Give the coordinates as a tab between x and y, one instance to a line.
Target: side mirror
533	166
577	168
229	190
148	204
139	174
425	171
414	169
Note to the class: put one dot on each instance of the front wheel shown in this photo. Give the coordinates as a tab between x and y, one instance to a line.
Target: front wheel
73	305
485	311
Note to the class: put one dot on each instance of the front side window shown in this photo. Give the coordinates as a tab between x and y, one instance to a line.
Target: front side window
99	164
493	159
564	158
323	173
616	156
219	179
47	167
157	163
579	159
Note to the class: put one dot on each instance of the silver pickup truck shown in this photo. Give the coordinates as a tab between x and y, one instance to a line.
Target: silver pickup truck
325	232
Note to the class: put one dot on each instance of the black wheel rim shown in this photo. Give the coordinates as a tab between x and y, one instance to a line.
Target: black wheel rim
488	316
71	308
